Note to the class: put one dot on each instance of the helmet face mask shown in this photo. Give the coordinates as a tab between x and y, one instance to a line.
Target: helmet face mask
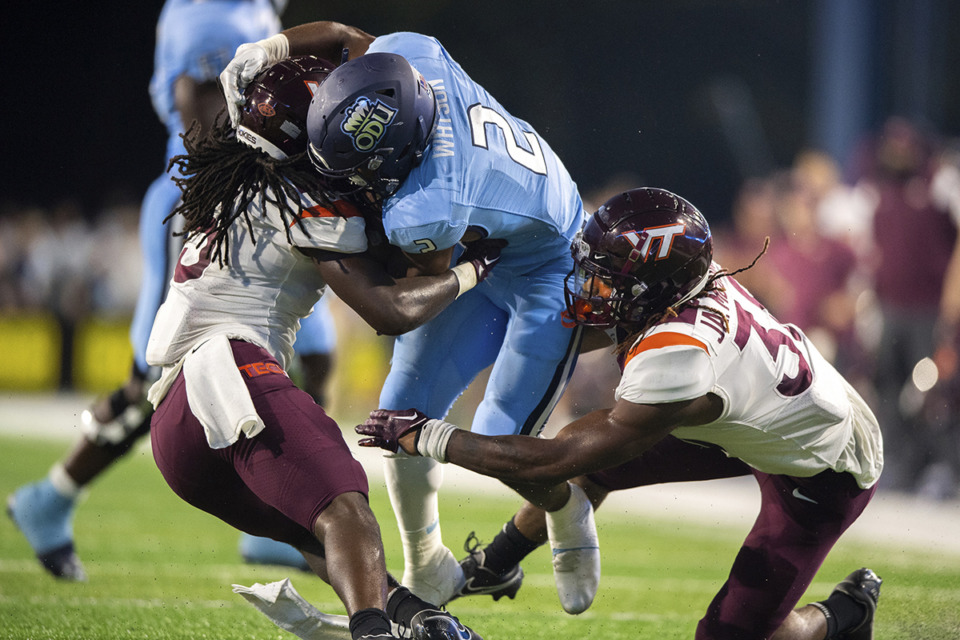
274	115
598	297
371	124
642	252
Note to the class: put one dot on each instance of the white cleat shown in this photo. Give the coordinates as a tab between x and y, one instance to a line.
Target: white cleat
436	580
576	552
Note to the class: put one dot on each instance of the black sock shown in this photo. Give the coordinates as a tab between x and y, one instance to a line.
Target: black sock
369	622
403	605
392	582
508	548
842	612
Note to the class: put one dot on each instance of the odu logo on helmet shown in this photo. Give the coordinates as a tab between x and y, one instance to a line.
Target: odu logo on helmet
366	122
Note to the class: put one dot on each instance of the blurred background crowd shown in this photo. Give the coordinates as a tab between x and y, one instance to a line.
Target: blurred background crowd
828	126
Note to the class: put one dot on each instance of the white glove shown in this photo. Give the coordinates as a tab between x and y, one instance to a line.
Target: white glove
249	60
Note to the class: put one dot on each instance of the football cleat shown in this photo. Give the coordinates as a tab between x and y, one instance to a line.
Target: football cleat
64	563
576	552
258	550
863	585
433	624
480	580
44	517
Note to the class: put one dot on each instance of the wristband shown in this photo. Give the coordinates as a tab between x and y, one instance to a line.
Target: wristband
466	277
432	439
276	46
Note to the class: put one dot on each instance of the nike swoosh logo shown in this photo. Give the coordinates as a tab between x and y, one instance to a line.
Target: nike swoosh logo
800	496
413	417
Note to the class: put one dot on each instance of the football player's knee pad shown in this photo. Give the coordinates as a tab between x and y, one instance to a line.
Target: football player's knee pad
119	434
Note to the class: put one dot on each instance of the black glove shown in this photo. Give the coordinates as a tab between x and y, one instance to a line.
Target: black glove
386	427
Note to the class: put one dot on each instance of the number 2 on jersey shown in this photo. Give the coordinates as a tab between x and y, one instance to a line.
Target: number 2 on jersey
480	116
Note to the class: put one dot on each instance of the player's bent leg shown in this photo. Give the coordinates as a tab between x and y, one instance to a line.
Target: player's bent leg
353	550
260	550
576	552
431	571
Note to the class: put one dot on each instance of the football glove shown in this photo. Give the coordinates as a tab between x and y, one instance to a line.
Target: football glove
385	428
483	255
249	60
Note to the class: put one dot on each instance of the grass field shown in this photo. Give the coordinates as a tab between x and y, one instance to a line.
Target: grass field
160	569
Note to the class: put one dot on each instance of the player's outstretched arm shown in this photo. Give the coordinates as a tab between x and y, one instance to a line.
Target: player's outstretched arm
597	441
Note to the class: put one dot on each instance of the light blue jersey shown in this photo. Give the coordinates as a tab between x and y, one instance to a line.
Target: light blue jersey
485	169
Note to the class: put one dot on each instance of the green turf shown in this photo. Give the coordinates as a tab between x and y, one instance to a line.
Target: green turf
161	569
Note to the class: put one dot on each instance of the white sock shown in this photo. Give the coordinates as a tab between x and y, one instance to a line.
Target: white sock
63	483
412	483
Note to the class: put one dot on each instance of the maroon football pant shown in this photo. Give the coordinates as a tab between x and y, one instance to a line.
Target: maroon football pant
800	520
275	484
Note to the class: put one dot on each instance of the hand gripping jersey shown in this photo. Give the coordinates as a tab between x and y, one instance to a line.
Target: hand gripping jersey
484	168
786	409
262	293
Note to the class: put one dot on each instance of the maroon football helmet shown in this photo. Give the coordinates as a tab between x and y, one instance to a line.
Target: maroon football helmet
274	116
643	251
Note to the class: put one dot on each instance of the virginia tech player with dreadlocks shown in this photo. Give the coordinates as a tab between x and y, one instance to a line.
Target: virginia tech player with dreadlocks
232	434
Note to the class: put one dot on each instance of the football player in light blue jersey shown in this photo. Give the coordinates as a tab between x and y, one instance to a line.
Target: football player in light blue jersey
404	128
195	40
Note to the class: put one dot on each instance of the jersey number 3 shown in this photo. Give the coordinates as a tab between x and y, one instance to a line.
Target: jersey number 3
773	340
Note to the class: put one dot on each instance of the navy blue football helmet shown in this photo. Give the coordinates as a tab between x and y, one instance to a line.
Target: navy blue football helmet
642	252
274	115
370	123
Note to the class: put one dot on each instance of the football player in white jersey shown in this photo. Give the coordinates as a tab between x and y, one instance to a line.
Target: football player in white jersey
444	162
231	433
713	386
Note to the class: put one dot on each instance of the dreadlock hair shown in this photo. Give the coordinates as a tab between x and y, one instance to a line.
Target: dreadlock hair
671	312
222	177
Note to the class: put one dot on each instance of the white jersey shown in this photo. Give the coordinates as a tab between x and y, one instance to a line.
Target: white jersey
786	410
263	292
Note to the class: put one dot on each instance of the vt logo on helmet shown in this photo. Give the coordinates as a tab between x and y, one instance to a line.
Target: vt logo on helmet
370	124
644	240
643	251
